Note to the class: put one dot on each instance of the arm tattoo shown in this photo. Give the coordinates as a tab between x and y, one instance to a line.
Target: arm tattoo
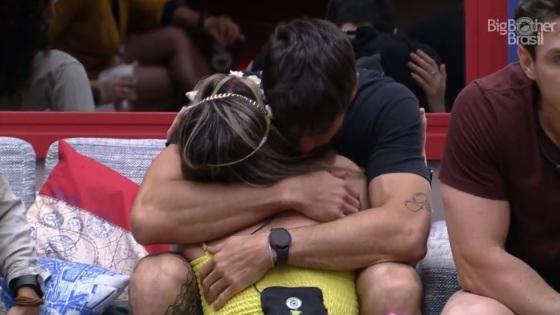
418	202
188	299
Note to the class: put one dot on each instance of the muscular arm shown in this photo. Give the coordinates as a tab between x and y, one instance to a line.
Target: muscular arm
169	209
394	229
478	229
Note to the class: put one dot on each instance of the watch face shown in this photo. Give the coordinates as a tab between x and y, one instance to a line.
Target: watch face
280	238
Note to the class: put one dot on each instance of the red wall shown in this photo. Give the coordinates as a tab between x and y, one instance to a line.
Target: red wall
42	129
486	52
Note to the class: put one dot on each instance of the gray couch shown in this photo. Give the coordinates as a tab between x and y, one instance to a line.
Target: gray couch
132	157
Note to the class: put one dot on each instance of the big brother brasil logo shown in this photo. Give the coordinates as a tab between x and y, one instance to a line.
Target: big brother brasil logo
523	31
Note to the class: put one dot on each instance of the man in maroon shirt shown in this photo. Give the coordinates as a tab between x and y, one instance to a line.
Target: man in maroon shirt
501	180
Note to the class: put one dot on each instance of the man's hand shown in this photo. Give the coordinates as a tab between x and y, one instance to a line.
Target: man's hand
24	310
117	89
237	264
321	196
223	29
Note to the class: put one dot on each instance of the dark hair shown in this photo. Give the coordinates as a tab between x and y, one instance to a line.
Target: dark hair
309	75
220	138
23	31
375	13
540	10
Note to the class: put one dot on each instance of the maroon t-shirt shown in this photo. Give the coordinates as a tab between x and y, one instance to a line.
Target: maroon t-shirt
492	151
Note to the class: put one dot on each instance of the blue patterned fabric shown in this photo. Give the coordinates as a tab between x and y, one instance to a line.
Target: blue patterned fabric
75	288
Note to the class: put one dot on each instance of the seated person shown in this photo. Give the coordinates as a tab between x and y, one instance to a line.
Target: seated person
17	253
33	77
500	179
317	99
414	64
444	31
149	33
227	136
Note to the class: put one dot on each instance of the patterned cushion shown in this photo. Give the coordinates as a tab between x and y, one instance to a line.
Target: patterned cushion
75	288
129	157
82	214
437	270
67	232
17	163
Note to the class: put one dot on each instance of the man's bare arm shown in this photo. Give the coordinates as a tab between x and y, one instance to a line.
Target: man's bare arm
395	229
478	229
169	209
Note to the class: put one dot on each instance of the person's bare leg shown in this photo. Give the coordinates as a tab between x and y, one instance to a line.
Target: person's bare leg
171	48
389	288
164	284
384	288
155	90
464	303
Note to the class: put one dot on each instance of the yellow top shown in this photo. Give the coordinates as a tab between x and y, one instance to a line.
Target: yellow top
87	29
339	290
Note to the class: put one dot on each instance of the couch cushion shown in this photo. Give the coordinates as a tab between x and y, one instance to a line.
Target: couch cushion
437	271
82	213
129	157
17	163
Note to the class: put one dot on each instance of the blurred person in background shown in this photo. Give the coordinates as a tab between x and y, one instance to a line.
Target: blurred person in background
370	25
161	37
33	77
444	31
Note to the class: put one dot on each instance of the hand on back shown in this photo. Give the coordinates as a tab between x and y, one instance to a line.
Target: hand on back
322	196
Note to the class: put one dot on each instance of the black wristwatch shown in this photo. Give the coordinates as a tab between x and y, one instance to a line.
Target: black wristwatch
280	240
31	281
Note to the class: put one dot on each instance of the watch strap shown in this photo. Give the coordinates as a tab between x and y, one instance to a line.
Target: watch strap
31	281
282	253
